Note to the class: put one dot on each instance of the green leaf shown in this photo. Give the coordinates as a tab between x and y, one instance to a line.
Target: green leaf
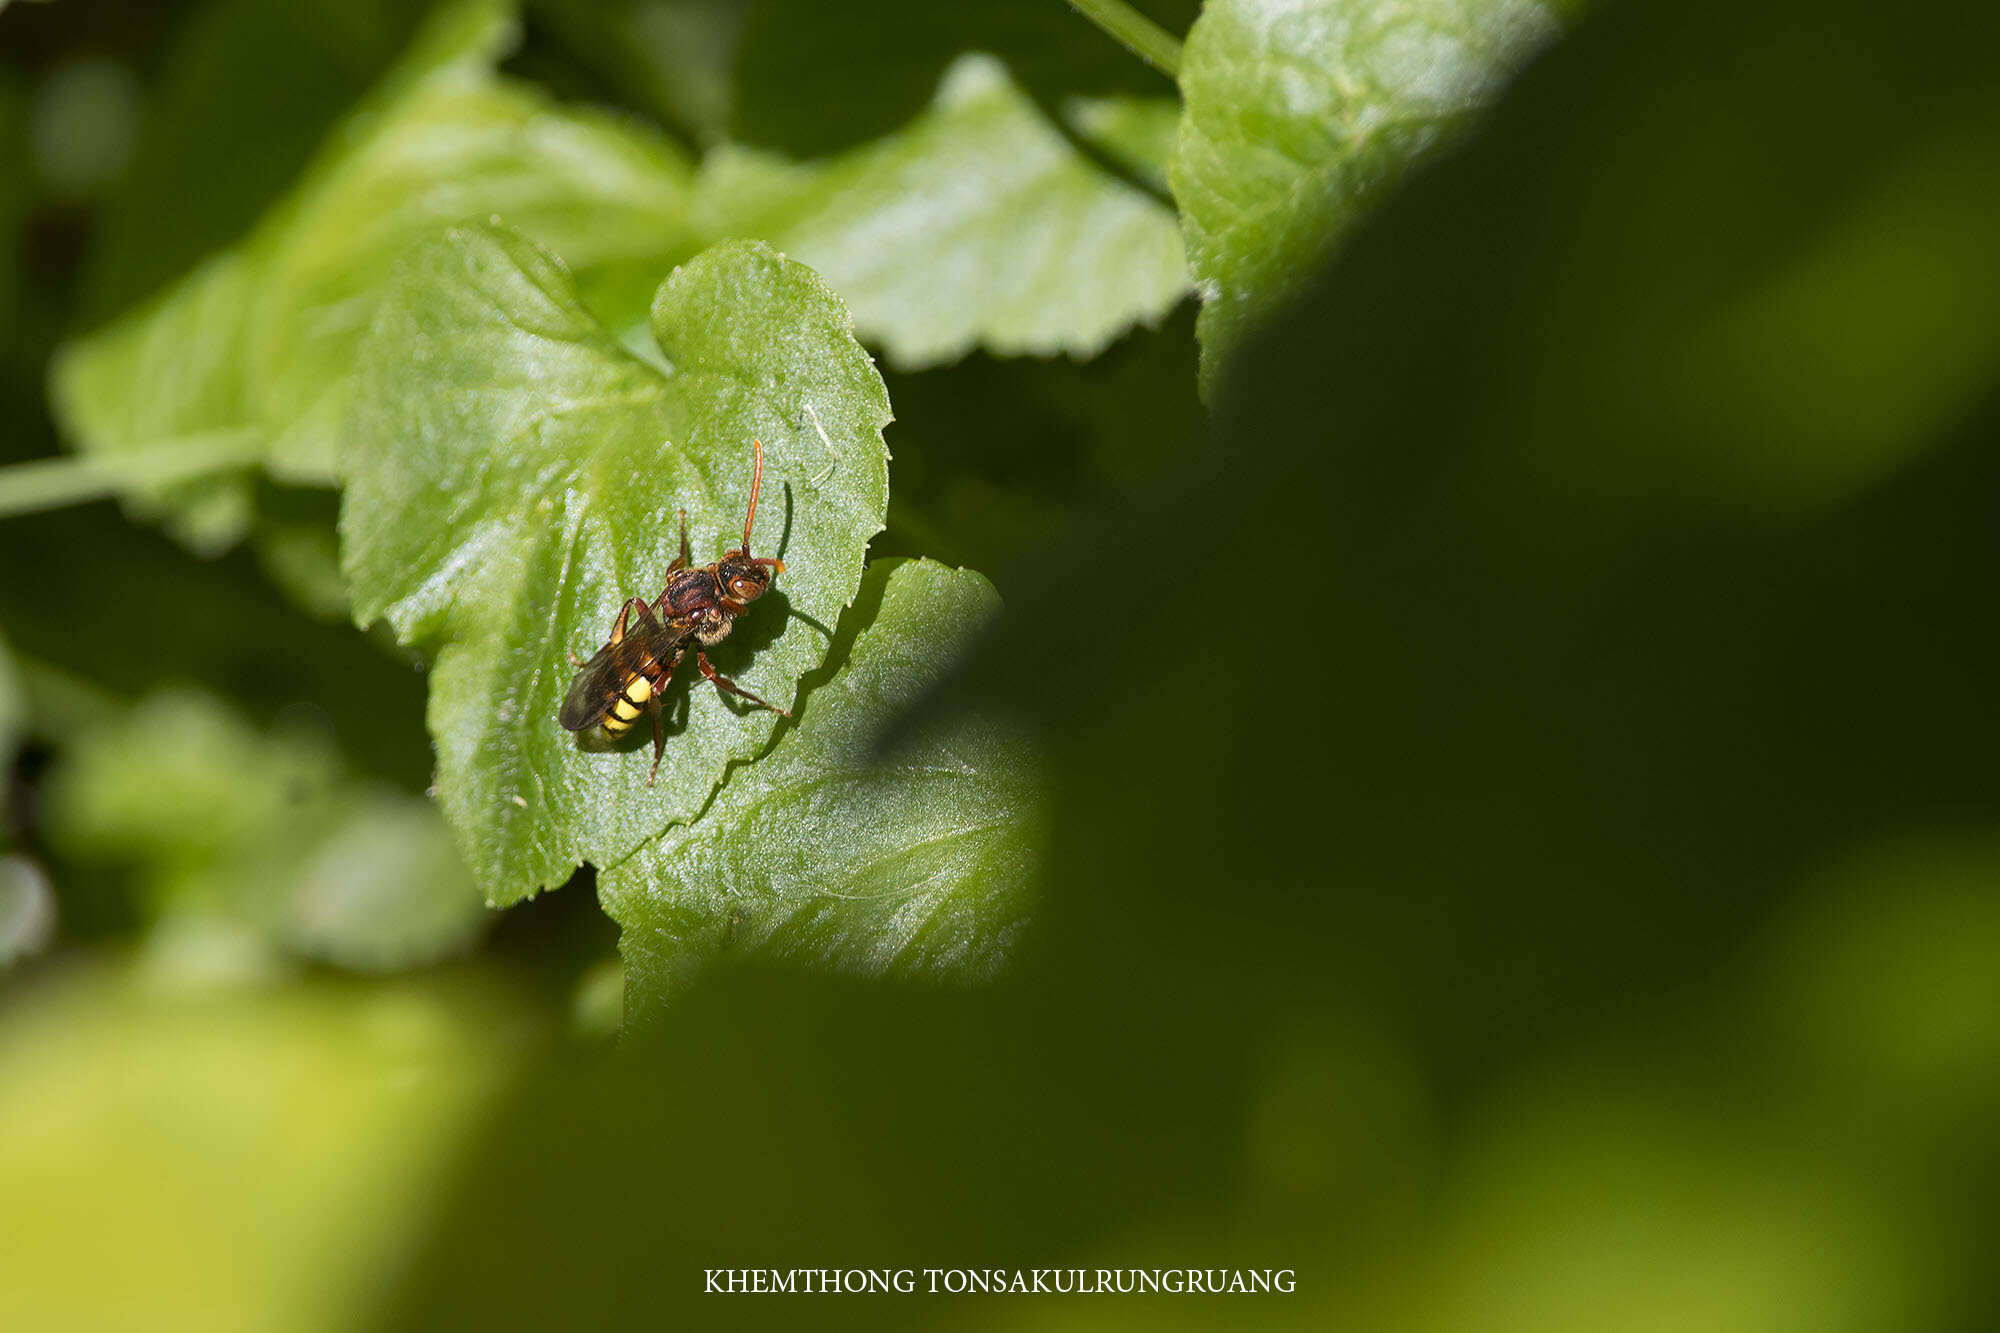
260	339
164	383
915	863
514	478
216	819
977	225
1299	113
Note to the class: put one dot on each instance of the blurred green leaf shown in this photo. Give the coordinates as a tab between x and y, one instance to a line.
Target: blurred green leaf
85	119
27	907
260	339
257	1158
214	818
385	888
302	556
167	382
1301	112
220	624
1888	980
1137	133
597	1007
564	458
914	863
1586	1192
977	224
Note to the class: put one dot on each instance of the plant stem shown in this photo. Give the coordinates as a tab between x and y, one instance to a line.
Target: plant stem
1135	32
51	483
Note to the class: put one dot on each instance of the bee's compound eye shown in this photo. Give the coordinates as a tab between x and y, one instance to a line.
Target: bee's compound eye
743	589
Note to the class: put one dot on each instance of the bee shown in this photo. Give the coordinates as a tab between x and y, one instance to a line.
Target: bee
697	609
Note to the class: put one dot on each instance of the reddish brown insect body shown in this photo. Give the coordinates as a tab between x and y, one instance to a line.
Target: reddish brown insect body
697	608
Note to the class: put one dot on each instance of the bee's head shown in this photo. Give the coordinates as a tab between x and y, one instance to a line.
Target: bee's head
745	577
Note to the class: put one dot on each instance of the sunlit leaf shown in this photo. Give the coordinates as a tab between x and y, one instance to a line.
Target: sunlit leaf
515	477
976	225
1300	112
916	862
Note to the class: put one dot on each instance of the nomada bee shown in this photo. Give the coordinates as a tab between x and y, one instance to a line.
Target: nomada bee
696	609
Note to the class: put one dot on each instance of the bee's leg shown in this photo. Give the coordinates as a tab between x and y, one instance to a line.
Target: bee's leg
728	686
618	630
645	613
681	560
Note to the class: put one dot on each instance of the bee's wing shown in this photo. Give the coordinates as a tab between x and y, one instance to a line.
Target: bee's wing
591	693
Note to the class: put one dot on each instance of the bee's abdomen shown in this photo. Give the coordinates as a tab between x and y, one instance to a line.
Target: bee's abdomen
627	705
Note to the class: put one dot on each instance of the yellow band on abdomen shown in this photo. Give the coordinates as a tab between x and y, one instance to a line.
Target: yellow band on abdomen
625	708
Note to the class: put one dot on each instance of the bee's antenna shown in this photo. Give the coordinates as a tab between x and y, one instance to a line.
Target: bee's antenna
756	484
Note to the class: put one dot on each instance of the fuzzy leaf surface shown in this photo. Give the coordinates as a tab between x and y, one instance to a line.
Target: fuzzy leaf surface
917	862
1297	113
513	477
976	225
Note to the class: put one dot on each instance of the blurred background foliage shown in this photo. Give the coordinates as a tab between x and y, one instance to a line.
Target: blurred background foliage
1516	746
